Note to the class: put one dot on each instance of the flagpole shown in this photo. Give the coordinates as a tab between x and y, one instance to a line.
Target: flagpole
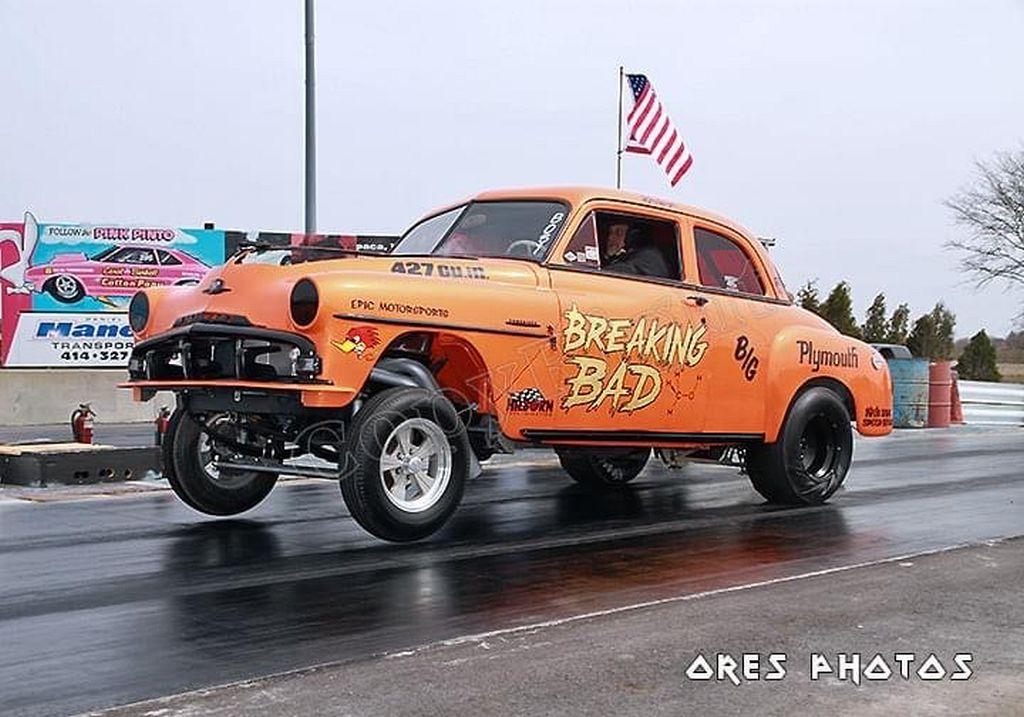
310	155
618	138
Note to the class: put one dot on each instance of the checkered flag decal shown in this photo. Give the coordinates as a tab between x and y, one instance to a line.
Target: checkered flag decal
522	400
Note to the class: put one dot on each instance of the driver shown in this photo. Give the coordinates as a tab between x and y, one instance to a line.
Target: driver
462	240
629	251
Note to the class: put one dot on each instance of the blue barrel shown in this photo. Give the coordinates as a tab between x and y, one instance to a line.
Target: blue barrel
909	392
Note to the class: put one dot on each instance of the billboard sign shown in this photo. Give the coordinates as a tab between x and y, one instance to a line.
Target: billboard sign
65	339
83	268
17	240
64	288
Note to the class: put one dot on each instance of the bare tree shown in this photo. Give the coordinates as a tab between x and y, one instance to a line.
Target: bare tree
991	209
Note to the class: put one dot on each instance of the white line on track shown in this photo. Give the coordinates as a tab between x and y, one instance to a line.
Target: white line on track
531	627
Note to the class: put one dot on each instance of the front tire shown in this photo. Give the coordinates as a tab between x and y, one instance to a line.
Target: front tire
65	288
603	468
810	459
198	482
406	464
167	458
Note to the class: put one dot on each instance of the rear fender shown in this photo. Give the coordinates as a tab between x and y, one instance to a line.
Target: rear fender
803	357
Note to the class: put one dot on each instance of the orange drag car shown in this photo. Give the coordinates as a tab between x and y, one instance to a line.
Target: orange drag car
600	323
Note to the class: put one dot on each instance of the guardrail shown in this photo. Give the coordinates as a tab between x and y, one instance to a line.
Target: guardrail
992	403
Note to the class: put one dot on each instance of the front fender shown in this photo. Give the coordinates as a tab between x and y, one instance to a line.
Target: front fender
803	356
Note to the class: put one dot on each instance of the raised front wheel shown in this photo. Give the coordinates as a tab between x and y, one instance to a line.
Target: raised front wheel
407	462
190	456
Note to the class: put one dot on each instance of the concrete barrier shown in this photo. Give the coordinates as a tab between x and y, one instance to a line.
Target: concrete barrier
40	465
992	403
30	397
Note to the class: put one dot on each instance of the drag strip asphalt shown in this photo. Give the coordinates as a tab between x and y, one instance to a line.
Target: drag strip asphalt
114	600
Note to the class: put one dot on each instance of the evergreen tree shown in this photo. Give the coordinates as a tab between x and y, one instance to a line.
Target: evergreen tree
838	310
876	326
978	361
807	297
932	335
945	322
921	341
899	325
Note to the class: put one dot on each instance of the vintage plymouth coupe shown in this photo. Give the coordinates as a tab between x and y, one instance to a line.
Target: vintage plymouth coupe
603	324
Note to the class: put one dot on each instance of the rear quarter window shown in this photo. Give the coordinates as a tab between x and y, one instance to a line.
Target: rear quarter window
723	264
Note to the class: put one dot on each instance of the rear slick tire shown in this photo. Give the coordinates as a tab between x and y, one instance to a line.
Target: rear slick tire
809	461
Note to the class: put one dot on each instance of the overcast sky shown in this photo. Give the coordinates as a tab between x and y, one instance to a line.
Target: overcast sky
836	126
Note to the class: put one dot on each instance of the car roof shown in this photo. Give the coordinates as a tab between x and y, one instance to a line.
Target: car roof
578	195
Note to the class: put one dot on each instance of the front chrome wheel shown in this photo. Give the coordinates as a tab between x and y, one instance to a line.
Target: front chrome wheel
193	471
209	454
415	465
407	460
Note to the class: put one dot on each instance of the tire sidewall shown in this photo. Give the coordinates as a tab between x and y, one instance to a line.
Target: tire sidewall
604	468
167	459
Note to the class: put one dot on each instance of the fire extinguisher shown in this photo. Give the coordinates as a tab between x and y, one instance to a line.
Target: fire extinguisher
163	420
82	423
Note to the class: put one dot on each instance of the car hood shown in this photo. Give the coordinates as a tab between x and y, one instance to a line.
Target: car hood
69	258
385	287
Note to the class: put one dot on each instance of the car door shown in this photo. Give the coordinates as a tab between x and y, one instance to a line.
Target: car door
738	312
631	348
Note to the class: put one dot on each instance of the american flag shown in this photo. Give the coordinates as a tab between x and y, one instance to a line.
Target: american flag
652	132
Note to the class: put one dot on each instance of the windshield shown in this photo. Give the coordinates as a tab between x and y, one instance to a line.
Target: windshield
304	247
521	229
105	253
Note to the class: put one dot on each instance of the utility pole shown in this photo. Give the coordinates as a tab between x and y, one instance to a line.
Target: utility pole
310	123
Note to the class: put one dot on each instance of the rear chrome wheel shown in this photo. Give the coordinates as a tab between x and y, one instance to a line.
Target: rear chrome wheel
65	289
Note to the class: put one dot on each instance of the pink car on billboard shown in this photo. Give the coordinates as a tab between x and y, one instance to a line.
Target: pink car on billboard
115	271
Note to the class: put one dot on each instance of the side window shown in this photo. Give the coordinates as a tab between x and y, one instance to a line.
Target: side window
137	256
638	246
626	244
133	255
724	265
167	258
582	248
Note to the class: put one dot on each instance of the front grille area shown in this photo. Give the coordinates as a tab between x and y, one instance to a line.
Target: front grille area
207	351
212	317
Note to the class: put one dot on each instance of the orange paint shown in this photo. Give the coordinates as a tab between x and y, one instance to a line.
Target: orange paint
557	346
